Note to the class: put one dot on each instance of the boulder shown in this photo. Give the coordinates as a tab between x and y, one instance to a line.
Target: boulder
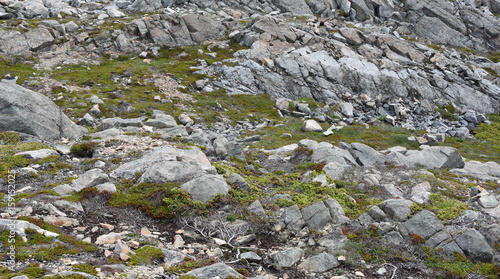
475	245
23	110
435	157
297	7
206	187
216	270
89	179
424	224
171	171
19	227
397	209
287	258
311	126
486	171
193	156
319	263
36	155
239	182
316	215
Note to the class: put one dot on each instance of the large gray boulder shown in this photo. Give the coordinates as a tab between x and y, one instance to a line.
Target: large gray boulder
485	171
171	171
89	179
193	156
145	5
216	270
474	245
435	157
424	224
297	7
26	111
205	188
319	263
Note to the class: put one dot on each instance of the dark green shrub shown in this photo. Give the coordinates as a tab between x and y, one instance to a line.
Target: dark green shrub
84	150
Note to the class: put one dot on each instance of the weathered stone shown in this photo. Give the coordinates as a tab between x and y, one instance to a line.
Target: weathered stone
216	270
172	171
316	215
474	245
424	224
239	182
205	188
29	112
435	157
319	263
287	258
311	126
89	179
397	209
36	155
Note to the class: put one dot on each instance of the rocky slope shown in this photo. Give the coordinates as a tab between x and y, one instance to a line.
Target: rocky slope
256	139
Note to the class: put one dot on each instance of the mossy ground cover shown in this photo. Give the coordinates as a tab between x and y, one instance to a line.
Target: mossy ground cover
11	146
157	200
41	247
379	136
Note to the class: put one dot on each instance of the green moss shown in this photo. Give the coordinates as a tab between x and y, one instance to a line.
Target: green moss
494	56
445	208
158	200
87	268
457	265
35	238
17	66
189	264
146	255
81	245
7	158
9	138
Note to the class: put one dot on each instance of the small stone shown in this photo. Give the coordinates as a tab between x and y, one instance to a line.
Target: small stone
236	14
178	241
66	261
134	244
359	273
145	231
107	226
107	253
124	257
381	271
220	241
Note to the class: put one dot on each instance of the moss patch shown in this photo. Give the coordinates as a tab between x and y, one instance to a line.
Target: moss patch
146	255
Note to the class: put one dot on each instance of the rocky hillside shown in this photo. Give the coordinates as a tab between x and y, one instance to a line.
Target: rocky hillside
250	139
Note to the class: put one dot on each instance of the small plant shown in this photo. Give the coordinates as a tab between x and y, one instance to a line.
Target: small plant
83	150
417	238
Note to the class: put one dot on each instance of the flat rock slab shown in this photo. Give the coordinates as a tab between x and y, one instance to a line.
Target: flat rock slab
216	270
20	226
36	155
162	154
319	263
